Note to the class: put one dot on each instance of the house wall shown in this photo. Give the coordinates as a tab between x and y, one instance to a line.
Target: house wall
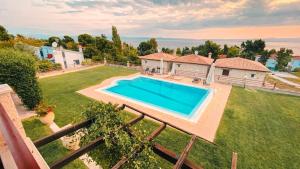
67	58
237	76
154	64
190	70
271	64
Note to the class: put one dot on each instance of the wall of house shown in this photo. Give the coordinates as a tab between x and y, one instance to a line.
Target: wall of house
154	64
67	58
190	70
237	76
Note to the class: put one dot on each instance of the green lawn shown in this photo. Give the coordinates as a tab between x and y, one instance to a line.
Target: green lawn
52	151
60	90
263	128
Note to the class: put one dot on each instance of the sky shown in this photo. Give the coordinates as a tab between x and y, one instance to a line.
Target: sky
195	19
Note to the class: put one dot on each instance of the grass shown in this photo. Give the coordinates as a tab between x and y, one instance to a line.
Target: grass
262	127
61	90
282	85
297	74
52	151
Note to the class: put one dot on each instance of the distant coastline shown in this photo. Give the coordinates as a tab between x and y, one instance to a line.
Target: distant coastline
276	43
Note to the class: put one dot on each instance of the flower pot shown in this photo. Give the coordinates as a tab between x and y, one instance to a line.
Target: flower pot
72	142
48	118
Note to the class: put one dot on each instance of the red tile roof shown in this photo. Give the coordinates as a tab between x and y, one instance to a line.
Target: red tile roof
296	57
241	63
222	56
195	59
158	56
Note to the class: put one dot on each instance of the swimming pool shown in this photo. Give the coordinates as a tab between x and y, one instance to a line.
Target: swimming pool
177	99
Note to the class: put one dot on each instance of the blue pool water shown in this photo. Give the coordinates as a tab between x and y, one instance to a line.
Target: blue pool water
179	99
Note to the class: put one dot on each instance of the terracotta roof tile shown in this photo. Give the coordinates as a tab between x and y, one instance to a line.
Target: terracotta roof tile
241	63
296	57
158	56
222	56
195	59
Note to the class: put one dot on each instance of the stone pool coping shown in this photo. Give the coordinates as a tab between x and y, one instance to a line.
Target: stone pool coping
206	126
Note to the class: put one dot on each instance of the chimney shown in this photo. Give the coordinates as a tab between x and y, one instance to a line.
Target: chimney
80	48
196	52
209	55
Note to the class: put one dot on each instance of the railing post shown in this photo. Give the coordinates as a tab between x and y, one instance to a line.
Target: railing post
234	160
13	139
274	87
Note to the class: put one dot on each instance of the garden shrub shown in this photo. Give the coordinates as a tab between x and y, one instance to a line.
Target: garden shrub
46	66
18	69
118	142
296	70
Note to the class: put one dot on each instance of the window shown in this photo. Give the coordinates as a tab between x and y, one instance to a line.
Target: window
145	61
225	72
252	75
76	62
178	65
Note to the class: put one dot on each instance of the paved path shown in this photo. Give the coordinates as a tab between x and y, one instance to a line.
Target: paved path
60	72
286	81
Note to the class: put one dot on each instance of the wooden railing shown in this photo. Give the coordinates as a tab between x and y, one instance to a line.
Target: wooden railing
21	154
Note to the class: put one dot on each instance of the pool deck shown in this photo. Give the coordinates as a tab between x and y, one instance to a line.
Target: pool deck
206	127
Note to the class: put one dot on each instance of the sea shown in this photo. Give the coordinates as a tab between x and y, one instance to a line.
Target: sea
173	43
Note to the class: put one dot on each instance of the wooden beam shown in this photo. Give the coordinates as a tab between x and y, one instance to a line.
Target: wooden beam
169	124
124	159
61	133
172	157
77	153
185	153
15	142
234	160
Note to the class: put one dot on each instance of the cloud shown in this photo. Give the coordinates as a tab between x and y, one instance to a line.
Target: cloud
147	17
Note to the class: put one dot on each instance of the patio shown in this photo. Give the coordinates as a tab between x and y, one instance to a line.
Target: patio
206	127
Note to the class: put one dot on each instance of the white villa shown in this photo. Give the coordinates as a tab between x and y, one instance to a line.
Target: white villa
67	58
228	70
234	70
191	66
157	62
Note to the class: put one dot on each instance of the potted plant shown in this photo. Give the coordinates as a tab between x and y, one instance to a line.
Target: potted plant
45	113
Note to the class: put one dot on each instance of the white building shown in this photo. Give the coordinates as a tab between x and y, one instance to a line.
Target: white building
194	66
67	58
157	62
240	71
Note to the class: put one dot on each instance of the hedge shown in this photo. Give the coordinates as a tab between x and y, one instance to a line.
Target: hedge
18	69
46	66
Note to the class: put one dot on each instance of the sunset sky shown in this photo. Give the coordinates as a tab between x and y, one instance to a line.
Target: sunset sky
207	19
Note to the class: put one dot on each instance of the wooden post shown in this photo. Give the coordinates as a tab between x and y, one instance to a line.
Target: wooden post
274	87
234	160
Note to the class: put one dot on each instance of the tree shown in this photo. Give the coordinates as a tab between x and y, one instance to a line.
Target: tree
90	51
283	58
154	44
252	48
209	47
67	39
167	50
116	39
148	47
233	51
186	51
178	52
225	49
131	54
85	39
53	39
4	36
